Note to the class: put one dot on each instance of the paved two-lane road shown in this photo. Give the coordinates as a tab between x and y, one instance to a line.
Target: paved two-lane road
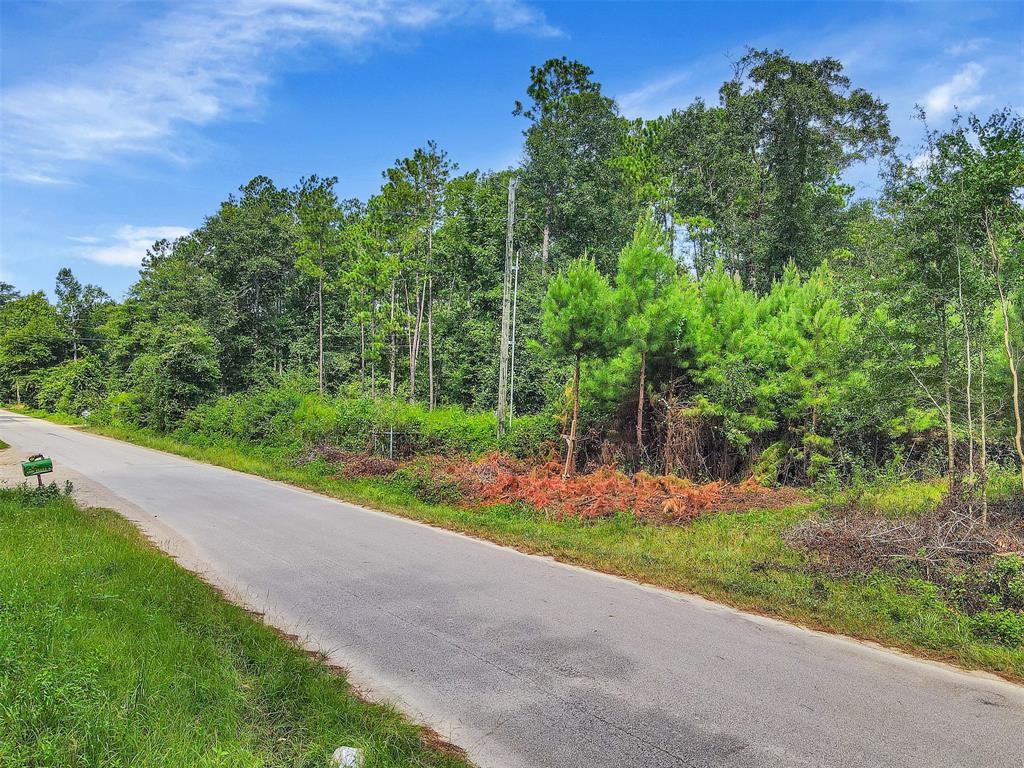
525	662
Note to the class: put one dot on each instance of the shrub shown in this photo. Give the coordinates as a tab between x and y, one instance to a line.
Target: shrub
73	386
1004	627
290	415
427	484
452	430
530	436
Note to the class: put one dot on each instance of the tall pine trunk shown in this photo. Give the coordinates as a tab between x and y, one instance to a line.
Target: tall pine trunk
570	451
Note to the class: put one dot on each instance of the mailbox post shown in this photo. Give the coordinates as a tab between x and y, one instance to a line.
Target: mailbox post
37	466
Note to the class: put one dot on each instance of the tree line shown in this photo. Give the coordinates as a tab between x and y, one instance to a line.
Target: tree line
702	293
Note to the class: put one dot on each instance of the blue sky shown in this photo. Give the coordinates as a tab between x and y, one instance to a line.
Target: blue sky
123	122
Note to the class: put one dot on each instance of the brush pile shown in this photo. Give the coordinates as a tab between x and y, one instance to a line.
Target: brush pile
351	464
948	538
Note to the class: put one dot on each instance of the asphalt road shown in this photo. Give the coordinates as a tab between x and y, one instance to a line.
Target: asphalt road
526	662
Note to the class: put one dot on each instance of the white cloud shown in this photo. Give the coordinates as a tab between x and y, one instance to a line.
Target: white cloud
961	90
923	159
974	45
200	63
127	246
651	99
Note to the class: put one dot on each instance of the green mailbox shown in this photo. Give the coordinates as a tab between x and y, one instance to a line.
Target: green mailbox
37	465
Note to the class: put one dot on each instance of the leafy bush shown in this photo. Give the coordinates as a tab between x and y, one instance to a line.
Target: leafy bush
1004	627
291	415
172	381
73	386
530	436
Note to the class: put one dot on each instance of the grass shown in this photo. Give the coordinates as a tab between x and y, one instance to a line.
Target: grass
738	559
111	654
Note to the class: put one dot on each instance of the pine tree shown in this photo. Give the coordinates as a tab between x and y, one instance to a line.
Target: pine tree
579	323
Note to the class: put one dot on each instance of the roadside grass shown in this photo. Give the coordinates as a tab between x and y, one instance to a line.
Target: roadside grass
111	654
740	559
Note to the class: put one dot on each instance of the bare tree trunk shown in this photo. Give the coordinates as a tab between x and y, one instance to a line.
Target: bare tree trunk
984	441
544	247
947	390
1018	440
640	401
970	365
362	356
394	342
414	341
430	343
376	350
320	334
570	451
429	289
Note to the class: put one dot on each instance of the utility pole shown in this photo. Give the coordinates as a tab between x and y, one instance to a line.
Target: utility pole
506	300
512	355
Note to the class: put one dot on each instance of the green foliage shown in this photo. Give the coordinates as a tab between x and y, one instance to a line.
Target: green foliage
292	415
1003	627
166	384
73	386
530	436
79	308
30	342
753	298
570	178
647	289
579	320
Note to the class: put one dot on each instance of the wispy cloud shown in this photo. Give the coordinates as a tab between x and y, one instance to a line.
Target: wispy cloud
652	98
967	47
127	246
961	90
200	63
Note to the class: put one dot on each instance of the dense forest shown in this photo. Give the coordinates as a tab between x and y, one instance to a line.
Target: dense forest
703	294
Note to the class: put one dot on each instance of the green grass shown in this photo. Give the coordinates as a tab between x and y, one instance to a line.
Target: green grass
739	559
112	655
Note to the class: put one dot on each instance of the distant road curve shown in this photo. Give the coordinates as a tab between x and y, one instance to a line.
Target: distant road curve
528	663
